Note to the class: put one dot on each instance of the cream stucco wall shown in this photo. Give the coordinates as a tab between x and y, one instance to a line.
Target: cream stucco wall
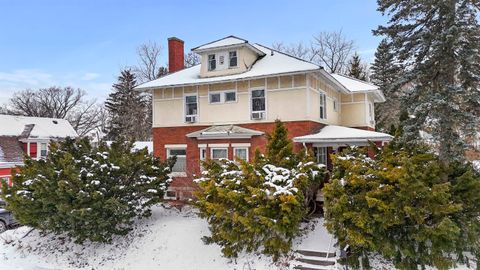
289	98
245	59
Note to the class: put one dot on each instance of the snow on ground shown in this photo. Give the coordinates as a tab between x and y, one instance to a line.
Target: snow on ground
168	240
476	165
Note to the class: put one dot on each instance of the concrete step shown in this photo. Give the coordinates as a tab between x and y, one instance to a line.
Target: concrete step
316	262
319	254
306	266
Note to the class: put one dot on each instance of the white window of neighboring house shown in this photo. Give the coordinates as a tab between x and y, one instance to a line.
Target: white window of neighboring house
321	154
181	163
191	106
335	105
223	96
232	59
43	149
323	106
219	153
258	100
212	63
241	153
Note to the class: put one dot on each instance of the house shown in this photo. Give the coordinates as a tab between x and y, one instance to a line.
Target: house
223	107
22	136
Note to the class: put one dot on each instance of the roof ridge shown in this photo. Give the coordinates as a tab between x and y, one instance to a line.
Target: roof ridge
230	36
286	54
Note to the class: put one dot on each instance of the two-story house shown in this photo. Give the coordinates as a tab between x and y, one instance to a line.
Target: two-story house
223	107
22	136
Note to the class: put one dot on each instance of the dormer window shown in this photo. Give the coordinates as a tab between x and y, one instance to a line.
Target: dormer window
212	63
232	56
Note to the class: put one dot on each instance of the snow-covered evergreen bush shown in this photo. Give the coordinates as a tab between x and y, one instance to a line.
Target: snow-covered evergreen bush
87	192
258	206
405	206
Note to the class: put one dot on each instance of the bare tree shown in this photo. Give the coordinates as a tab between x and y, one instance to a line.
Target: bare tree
149	65
298	50
55	102
191	59
328	49
332	50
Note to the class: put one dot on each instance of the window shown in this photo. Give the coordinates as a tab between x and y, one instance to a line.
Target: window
241	153
323	106
224	96
321	154
203	154
230	96
190	105
215	98
232	59
43	150
370	111
219	153
180	164
335	108
258	100
212	63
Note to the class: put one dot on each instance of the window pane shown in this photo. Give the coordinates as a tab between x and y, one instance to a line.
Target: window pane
230	96
191	109
241	153
233	59
180	164
214	98
258	104
191	99
258	93
219	153
178	152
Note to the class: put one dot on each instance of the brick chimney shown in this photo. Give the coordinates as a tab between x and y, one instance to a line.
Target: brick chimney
176	55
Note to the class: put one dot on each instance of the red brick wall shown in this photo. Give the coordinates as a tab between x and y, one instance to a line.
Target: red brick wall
177	135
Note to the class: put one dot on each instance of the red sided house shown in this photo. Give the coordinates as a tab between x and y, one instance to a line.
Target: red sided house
20	136
223	107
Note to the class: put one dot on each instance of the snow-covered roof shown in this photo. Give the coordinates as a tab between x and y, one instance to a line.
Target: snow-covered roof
224	131
11	152
227	41
343	135
355	85
271	64
141	145
37	127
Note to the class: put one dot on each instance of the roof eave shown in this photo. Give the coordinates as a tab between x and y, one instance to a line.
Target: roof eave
341	140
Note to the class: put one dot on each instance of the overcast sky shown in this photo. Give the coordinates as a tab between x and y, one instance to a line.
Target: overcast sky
85	43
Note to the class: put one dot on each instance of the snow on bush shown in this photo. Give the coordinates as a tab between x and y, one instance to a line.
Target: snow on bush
258	206
87	192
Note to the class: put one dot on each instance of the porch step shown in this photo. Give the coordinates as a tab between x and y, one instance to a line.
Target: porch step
316	253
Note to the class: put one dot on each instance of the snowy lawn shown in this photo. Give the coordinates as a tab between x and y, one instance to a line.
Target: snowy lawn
168	240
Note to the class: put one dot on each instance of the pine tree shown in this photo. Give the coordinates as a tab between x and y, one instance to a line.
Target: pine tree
385	73
356	68
438	43
129	110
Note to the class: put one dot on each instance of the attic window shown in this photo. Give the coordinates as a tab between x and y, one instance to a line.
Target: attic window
212	63
232	59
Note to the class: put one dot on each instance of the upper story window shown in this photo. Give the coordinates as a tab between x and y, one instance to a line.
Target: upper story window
258	100
323	106
335	105
212	62
223	97
232	59
191	108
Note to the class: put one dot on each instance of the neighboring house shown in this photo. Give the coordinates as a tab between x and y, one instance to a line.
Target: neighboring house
223	107
28	136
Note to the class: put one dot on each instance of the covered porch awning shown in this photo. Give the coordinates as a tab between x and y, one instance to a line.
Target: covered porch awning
224	132
337	136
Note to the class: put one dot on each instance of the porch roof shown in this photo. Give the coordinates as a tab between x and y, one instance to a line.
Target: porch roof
224	132
338	135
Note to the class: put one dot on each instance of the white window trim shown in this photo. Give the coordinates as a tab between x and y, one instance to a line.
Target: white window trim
246	149
39	149
217	148
185	106
208	62
324	101
250	101
236	55
222	96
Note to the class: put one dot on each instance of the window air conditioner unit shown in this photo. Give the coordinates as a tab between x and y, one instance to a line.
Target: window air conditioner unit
258	115
190	119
